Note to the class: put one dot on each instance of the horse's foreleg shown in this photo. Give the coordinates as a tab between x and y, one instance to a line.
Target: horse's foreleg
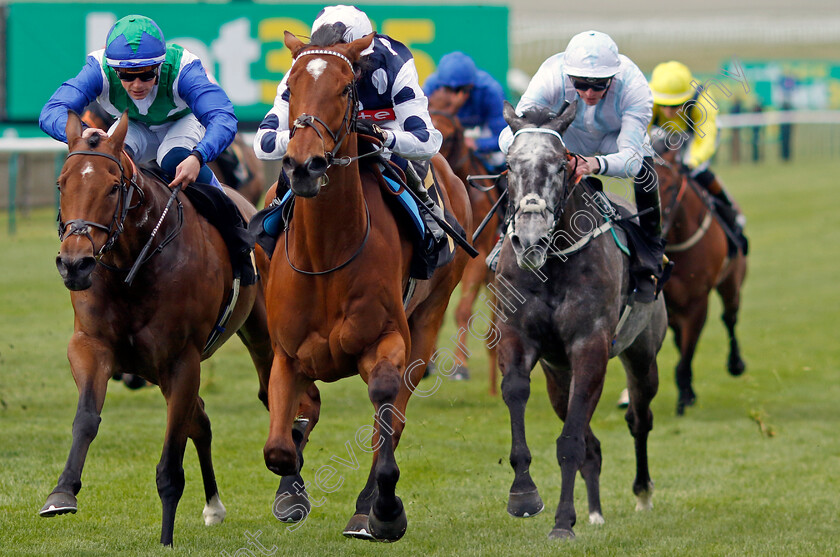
692	325
516	362
292	503
283	448
471	282
180	388
588	359
730	295
383	368
90	364
214	511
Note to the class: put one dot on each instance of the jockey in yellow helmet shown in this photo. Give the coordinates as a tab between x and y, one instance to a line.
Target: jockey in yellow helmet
681	109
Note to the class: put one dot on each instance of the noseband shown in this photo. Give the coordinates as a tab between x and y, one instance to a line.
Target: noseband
81	227
348	122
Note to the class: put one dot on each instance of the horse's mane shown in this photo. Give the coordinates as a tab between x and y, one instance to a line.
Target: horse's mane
333	33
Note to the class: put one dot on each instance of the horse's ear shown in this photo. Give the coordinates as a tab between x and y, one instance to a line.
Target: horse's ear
359	45
73	129
511	117
118	137
565	118
292	43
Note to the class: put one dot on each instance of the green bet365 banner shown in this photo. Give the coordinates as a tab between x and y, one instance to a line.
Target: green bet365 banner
240	44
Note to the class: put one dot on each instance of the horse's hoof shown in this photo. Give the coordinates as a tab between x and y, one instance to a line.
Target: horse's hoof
388	531
133	382
59	503
680	408
736	366
596	518
461	373
524	505
358	528
291	507
214	512
644	497
561	534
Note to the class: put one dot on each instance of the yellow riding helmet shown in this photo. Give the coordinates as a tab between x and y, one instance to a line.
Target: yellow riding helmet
671	84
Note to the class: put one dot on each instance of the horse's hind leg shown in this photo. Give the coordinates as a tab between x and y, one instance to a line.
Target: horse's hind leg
692	325
91	372
643	381
180	388
730	295
516	362
292	502
471	283
214	511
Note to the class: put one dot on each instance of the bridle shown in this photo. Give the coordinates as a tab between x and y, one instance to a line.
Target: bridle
81	227
533	203
348	122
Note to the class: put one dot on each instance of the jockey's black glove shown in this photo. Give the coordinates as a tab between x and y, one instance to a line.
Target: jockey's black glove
370	129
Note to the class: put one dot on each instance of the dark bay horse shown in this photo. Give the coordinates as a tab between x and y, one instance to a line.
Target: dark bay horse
158	326
698	247
571	295
465	162
335	287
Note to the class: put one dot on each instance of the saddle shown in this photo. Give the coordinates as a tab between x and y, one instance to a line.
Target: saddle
645	253
220	211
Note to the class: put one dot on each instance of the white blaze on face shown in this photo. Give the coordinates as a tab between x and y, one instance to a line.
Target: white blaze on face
316	67
88	169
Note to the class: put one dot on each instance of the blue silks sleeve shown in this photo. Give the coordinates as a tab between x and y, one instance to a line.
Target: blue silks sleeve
74	94
211	106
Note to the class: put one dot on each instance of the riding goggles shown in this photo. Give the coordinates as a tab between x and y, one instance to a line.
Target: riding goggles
459	89
599	85
145	77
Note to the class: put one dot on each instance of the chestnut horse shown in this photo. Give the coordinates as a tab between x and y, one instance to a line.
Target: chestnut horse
158	326
698	247
572	286
336	282
464	163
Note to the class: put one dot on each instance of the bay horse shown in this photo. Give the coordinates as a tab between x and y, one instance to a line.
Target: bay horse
697	245
572	289
156	327
465	162
336	282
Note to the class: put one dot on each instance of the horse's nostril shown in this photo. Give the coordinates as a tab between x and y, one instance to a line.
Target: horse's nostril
317	166
86	265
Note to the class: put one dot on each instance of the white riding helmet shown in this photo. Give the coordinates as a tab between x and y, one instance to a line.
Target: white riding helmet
357	22
591	54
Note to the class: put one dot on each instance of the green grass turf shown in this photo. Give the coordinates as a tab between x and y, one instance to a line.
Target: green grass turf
722	486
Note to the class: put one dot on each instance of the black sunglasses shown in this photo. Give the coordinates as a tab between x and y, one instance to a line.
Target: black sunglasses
595	86
145	77
459	89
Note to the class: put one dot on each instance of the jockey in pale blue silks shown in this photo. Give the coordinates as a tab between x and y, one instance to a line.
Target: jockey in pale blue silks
392	106
480	98
177	116
614	108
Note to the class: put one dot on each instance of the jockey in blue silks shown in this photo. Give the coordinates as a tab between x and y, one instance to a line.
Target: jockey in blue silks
392	106
177	115
480	98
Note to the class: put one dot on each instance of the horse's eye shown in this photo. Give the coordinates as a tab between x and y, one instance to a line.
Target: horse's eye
114	189
347	90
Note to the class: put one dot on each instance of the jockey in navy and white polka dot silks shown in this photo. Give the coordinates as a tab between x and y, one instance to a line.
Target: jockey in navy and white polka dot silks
389	95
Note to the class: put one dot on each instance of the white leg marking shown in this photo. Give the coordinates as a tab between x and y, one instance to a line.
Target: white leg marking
596	518
644	501
214	512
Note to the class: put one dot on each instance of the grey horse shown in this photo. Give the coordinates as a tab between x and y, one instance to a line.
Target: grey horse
568	308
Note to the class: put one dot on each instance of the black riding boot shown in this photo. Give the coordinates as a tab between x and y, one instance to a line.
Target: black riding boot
724	206
646	189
